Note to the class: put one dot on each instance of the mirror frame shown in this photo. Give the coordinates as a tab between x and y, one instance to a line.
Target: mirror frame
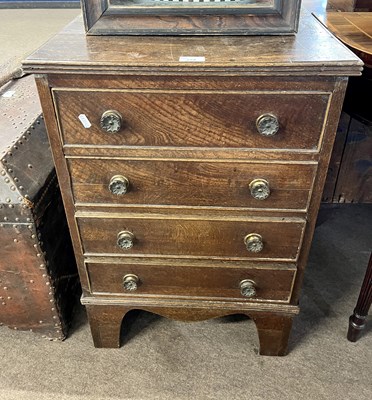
101	19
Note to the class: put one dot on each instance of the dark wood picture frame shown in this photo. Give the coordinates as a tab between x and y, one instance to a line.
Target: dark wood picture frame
120	17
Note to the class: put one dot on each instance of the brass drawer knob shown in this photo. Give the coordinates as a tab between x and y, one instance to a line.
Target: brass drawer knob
254	242
260	189
130	282
111	121
248	288
125	240
267	125
119	185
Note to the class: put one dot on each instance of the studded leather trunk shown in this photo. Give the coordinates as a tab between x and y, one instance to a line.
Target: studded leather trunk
38	277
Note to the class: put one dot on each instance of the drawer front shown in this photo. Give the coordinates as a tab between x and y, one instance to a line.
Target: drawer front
162	280
193	119
169	235
192	183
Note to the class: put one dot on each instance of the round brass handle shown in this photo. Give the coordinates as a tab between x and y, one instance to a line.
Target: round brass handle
267	125
125	240
248	288
254	242
111	121
260	189
119	185
130	282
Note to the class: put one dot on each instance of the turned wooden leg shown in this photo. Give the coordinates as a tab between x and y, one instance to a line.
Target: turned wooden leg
357	320
105	324
273	333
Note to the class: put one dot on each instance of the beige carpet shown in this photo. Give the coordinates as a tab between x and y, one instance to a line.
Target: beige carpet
23	31
216	359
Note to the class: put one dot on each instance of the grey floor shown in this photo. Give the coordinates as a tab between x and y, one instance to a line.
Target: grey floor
216	359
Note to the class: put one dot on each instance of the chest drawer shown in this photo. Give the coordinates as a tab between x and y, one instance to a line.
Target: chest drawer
264	283
192	183
170	235
194	119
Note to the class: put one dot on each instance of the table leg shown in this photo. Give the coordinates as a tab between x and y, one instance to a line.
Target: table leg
357	320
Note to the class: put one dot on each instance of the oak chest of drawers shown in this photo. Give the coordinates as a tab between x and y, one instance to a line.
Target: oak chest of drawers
192	169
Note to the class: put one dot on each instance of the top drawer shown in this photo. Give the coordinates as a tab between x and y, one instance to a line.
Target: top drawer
194	118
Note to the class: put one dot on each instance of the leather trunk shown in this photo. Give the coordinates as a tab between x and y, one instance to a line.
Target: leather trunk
38	277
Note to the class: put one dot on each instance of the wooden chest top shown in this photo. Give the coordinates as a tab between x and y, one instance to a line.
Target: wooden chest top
313	51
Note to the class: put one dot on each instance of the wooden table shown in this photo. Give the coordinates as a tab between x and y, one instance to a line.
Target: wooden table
348	179
354	30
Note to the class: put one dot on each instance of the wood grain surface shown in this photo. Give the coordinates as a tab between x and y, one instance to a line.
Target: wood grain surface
313	51
355	30
167	280
192	183
199	119
177	236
